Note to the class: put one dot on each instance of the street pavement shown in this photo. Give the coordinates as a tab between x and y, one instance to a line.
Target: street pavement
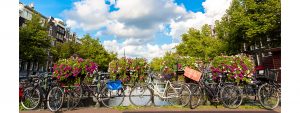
201	112
156	110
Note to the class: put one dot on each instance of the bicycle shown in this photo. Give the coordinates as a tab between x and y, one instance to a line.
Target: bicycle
227	93
269	93
109	93
141	95
38	91
73	95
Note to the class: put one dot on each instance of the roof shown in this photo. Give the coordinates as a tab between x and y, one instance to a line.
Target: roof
34	11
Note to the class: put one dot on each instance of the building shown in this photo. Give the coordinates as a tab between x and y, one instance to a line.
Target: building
266	54
57	30
25	13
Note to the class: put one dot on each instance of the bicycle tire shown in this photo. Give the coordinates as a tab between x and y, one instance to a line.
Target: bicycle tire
185	95
145	99
262	94
113	97
74	97
180	95
27	93
228	100
196	96
58	94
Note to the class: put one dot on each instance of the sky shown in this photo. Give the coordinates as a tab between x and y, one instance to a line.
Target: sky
143	28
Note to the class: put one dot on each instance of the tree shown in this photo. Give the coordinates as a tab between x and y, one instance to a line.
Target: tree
92	49
200	44
88	49
34	41
253	22
65	50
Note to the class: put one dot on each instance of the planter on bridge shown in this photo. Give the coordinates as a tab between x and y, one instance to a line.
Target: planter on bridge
73	70
128	70
238	68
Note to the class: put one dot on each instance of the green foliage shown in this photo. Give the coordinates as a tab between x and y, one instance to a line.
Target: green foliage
88	49
34	40
156	64
200	44
65	50
250	21
172	62
21	108
128	70
92	49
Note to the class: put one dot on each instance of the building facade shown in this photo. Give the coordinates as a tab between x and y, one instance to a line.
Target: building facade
57	30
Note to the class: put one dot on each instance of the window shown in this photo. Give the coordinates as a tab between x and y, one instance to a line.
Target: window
50	30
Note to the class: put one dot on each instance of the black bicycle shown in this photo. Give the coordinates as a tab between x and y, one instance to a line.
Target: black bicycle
227	93
72	95
109	93
269	93
38	91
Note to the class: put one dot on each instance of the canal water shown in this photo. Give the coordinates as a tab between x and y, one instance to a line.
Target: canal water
158	101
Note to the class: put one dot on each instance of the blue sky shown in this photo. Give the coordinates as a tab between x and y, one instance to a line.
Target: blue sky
56	7
143	26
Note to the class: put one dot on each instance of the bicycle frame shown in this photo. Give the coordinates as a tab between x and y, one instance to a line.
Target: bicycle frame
161	94
90	90
213	93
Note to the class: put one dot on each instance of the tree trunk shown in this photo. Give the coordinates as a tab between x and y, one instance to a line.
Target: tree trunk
28	68
33	67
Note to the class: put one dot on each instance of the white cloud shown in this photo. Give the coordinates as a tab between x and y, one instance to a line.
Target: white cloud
180	26
111	46
122	31
214	10
141	18
148	51
99	33
134	19
137	22
87	15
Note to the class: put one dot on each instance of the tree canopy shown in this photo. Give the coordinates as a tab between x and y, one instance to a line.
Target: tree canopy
250	22
34	40
92	49
89	48
200	43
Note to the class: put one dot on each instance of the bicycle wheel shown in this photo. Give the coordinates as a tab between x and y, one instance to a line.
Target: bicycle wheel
140	95
31	98
196	95
73	96
55	99
178	95
231	96
111	98
268	96
185	95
